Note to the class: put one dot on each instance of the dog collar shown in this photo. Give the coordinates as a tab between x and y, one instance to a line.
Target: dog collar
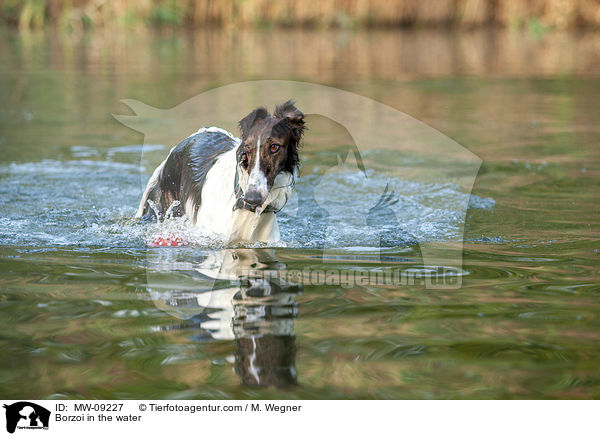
240	203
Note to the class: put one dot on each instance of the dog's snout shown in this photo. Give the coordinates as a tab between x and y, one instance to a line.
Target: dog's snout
253	197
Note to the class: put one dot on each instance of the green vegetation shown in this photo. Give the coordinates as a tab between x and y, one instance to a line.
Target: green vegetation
536	15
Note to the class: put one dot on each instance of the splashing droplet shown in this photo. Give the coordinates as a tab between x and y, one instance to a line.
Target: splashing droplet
169	213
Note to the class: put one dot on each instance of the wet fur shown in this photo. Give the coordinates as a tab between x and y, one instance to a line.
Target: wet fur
206	163
183	173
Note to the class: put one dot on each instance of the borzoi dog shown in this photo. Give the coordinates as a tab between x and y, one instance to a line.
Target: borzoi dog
227	185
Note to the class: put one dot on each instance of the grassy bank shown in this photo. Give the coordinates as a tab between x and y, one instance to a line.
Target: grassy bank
81	14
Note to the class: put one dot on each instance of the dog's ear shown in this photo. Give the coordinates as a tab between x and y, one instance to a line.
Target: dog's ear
295	119
248	121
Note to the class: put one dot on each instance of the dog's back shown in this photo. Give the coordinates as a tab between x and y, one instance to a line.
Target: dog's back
181	176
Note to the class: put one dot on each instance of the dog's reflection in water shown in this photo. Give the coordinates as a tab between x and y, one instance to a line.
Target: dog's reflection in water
264	311
228	297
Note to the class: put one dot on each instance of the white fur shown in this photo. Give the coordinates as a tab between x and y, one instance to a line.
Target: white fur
216	212
215	129
257	180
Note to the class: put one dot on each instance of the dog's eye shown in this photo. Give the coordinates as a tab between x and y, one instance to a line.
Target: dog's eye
244	161
274	148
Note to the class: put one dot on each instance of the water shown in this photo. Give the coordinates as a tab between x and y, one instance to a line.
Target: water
89	309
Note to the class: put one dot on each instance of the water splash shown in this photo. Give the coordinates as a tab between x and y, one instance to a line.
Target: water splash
169	212
90	203
156	209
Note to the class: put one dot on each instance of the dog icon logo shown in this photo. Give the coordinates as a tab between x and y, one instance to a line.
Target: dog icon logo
419	196
26	415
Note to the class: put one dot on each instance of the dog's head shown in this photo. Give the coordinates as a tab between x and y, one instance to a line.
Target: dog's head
269	149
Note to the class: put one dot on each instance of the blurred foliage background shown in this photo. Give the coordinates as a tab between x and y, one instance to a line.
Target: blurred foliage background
73	15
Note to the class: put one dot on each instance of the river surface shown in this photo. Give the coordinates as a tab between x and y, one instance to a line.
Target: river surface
90	309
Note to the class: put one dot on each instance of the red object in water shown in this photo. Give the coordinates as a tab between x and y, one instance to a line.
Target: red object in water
169	241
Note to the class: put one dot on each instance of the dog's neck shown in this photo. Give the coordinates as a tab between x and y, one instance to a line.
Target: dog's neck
252	224
250	227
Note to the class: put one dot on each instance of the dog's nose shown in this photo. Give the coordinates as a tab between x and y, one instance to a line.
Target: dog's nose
253	197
